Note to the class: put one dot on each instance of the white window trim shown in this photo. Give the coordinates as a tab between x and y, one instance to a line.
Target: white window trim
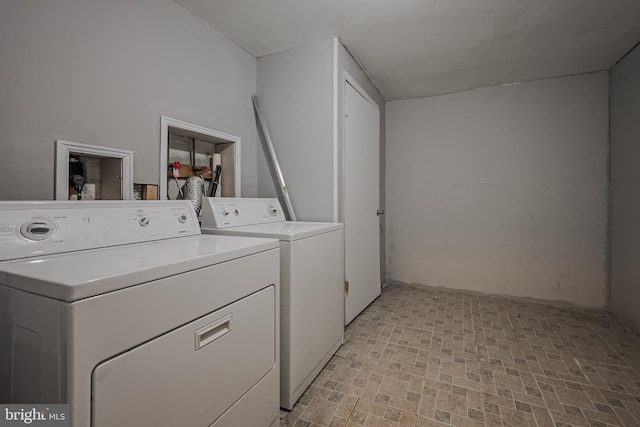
166	123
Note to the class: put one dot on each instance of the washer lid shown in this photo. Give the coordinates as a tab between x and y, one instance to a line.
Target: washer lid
83	274
285	231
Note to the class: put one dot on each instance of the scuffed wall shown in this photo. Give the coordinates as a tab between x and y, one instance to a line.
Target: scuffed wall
625	189
502	190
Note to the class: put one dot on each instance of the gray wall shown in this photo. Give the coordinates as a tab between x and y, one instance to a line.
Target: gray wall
625	189
103	72
295	93
502	190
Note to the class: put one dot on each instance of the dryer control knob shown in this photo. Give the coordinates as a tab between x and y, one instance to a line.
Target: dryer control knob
273	211
144	221
182	219
37	230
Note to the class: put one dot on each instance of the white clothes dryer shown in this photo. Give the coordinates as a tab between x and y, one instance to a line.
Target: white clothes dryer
127	313
311	286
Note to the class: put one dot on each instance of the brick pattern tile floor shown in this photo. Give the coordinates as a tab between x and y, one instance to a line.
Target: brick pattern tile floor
425	357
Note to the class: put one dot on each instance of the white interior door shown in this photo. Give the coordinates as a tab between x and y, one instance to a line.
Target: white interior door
361	202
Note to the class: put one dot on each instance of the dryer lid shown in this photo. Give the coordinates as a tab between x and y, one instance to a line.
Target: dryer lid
284	231
77	275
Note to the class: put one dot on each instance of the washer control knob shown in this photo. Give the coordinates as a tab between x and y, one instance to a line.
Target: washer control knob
37	230
225	212
236	212
144	221
182	219
273	211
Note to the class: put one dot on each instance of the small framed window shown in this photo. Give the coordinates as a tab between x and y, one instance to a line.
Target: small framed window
106	173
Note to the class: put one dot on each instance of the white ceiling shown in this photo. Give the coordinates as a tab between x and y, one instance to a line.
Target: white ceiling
415	48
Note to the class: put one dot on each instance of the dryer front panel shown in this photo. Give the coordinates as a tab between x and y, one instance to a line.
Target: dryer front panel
192	374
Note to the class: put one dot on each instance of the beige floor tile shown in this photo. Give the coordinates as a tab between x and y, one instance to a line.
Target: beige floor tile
425	357
372	414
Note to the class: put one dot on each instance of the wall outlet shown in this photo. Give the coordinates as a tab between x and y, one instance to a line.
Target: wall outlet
482	178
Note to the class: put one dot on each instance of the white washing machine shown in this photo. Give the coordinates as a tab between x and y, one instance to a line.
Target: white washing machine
126	312
311	285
